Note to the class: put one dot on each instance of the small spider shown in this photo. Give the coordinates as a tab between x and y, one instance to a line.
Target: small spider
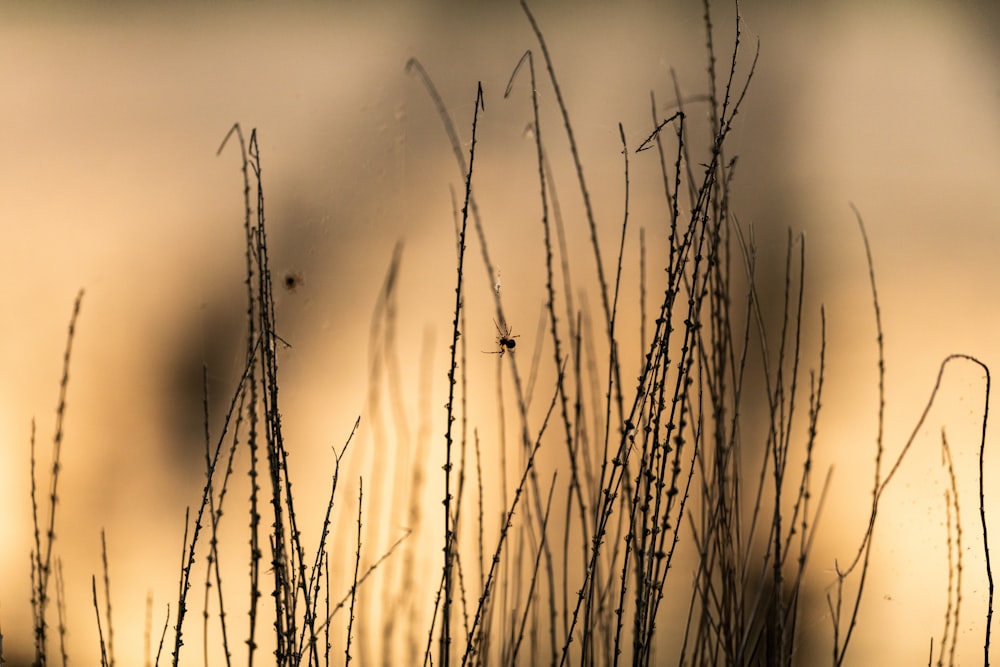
505	340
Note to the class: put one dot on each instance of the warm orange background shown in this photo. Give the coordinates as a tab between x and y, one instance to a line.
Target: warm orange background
110	121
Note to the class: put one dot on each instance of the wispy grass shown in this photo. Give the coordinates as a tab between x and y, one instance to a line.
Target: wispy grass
682	481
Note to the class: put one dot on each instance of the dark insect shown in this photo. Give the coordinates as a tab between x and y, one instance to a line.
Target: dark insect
505	340
292	281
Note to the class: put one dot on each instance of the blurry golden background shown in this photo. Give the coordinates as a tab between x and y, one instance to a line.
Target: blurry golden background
111	117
